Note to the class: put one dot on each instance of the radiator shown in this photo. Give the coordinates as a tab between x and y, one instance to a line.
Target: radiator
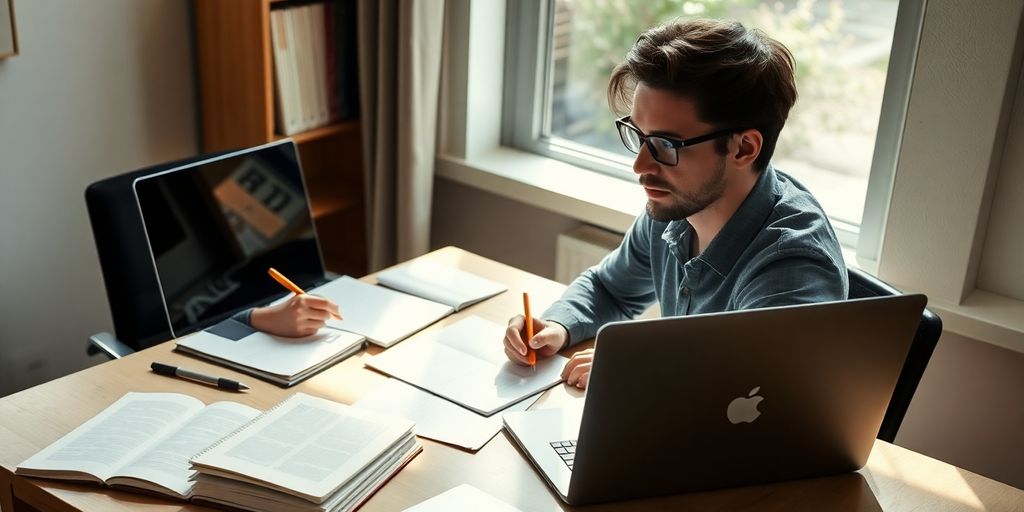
580	249
584	247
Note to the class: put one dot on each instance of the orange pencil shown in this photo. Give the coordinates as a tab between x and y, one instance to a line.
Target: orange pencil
292	287
530	353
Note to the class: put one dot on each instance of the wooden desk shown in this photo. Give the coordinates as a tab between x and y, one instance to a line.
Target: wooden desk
894	478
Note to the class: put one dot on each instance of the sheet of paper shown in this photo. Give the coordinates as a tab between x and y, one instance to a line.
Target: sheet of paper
435	417
465	363
463	497
383	315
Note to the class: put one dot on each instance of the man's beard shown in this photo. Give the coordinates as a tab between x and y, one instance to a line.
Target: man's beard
688	203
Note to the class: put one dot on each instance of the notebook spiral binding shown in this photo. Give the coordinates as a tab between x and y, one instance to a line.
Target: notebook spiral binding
243	427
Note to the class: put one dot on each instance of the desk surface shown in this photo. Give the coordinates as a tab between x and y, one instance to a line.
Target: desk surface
894	478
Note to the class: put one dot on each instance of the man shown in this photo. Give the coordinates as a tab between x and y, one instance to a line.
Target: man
723	230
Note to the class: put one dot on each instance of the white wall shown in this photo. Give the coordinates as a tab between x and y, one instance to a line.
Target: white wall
99	88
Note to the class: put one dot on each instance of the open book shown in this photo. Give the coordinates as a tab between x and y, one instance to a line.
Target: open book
306	453
283	361
383	315
142	441
440	283
466	363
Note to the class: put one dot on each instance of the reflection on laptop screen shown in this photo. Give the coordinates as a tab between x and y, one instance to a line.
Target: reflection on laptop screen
215	226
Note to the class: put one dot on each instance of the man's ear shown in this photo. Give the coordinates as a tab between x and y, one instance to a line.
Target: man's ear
745	147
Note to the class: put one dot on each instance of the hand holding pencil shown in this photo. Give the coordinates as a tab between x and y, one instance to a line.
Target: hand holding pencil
301	315
525	347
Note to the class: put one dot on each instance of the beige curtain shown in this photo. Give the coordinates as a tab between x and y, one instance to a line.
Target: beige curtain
399	74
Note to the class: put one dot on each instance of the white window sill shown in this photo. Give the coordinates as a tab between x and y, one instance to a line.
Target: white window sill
546	183
613	203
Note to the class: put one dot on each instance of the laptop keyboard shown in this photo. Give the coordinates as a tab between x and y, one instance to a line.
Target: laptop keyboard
566	450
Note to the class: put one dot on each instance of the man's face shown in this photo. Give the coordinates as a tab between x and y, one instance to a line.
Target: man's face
699	177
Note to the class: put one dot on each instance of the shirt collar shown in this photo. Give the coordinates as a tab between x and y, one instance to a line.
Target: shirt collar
735	236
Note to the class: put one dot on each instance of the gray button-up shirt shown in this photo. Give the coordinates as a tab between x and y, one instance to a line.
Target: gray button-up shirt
777	249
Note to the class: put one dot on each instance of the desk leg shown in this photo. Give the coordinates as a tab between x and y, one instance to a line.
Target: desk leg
6	496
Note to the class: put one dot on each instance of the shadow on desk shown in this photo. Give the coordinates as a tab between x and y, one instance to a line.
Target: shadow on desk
841	493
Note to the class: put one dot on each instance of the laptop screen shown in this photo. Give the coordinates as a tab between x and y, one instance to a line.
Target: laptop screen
214	227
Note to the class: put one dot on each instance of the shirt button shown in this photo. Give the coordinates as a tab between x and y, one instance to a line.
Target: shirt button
686	290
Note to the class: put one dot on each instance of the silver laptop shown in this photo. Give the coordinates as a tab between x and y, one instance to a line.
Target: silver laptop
702	402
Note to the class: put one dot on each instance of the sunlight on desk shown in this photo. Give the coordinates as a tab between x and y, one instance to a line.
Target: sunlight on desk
942	481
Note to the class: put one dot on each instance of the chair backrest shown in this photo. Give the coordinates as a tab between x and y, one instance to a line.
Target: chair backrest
133	293
864	285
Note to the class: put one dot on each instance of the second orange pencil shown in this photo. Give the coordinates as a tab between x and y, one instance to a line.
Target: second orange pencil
530	353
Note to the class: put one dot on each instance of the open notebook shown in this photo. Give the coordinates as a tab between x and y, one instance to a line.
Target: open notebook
466	363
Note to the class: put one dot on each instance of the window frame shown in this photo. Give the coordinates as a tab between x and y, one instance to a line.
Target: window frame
526	60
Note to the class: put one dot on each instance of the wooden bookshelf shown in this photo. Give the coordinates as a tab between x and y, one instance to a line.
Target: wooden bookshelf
236	89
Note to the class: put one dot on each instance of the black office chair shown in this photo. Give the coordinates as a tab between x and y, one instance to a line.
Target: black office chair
863	285
128	274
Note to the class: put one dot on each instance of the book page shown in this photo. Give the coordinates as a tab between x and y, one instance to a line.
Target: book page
306	446
440	283
167	463
120	433
383	315
466	363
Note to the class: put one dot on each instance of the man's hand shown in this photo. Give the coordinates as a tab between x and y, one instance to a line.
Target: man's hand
577	370
302	315
550	337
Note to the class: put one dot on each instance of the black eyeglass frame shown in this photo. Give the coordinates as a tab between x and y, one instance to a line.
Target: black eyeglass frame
625	122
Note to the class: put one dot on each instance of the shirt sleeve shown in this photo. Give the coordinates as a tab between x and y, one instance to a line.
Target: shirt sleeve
794	276
620	287
244	316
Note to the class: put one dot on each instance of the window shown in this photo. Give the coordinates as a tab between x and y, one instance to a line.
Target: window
561	53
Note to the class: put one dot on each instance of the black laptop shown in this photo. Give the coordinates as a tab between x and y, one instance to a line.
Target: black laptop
215	226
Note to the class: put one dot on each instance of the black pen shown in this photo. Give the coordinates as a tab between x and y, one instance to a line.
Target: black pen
220	382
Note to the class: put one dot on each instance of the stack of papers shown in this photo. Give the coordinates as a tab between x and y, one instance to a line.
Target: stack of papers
283	361
306	453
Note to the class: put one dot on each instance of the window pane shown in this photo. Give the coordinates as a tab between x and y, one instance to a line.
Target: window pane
841	50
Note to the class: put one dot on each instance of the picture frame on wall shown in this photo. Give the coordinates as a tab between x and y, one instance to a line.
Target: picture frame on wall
8	32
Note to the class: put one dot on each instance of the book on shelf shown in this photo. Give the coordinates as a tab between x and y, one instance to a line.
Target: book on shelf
306	453
315	65
283	361
328	456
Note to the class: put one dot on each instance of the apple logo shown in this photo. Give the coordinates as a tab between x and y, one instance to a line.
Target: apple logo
744	410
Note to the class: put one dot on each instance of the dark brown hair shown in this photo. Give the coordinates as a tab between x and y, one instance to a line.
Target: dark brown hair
738	77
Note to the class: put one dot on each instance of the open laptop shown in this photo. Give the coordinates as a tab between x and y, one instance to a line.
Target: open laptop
701	402
216	225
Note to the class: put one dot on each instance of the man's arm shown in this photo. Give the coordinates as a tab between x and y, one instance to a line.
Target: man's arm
618	288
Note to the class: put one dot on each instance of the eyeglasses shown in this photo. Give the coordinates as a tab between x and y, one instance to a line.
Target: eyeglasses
665	150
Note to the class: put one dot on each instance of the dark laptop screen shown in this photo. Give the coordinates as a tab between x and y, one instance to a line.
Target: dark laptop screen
214	228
